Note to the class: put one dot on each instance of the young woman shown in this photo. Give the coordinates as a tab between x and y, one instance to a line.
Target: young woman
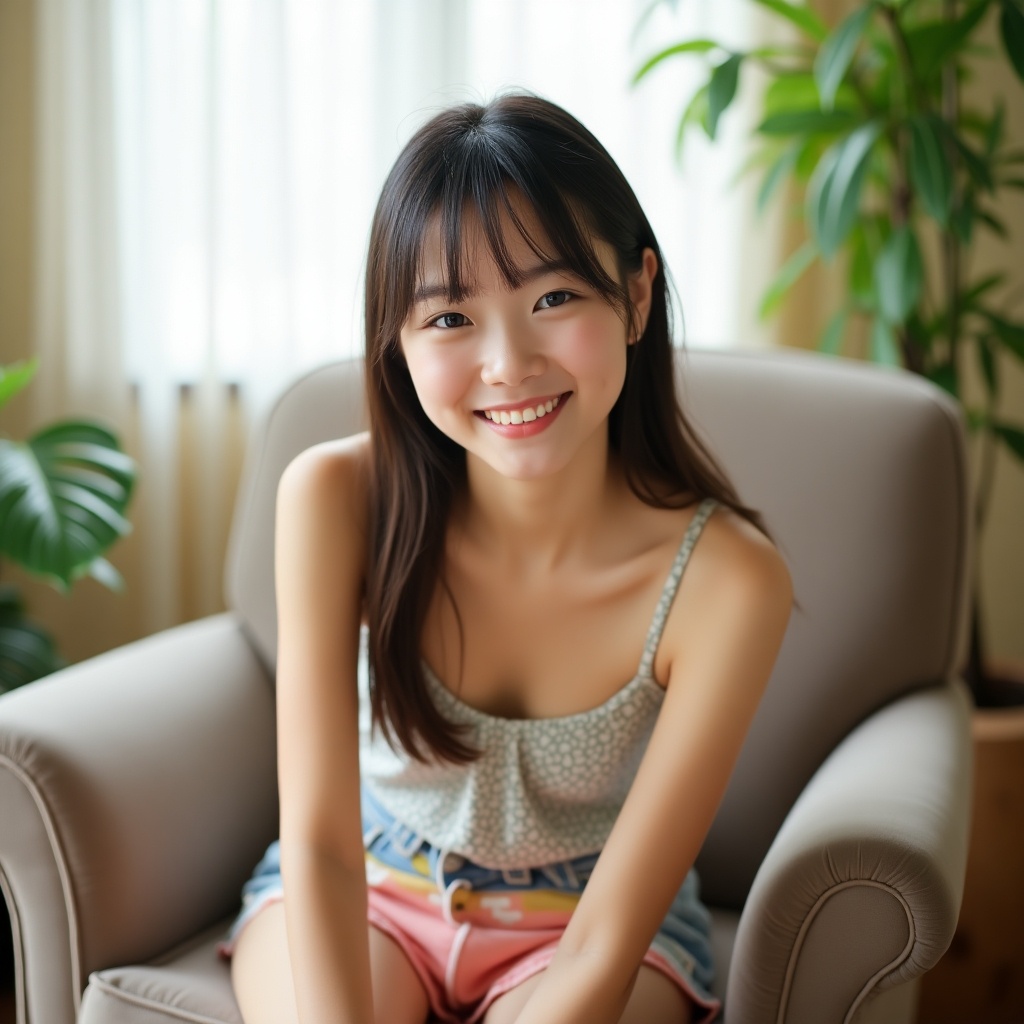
557	705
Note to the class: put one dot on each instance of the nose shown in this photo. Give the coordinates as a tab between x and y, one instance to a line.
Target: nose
511	356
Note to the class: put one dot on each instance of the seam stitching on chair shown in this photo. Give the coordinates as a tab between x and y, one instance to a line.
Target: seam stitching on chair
809	920
964	544
62	871
19	960
149	1004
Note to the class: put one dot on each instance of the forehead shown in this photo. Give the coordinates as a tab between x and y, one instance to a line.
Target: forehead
507	244
504	247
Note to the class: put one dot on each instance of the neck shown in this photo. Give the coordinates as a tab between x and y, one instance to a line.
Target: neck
542	523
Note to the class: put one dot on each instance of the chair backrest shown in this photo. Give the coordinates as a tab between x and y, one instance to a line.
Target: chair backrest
860	474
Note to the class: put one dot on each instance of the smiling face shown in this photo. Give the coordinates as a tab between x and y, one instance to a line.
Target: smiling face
523	375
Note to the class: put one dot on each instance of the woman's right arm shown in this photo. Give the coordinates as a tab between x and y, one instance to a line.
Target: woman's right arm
320	543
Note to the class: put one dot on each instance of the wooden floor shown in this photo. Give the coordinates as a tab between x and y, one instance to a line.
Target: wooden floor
6	1008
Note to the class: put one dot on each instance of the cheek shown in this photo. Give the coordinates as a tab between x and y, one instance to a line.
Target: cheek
438	375
595	349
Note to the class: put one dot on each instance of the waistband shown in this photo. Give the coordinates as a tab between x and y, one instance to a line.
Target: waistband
400	849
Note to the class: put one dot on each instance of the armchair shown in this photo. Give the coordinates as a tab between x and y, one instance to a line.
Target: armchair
137	789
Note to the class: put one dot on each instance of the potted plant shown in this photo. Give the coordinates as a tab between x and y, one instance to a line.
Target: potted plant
866	118
63	497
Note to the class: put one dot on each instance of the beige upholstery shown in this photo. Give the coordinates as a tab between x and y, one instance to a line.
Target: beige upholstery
137	789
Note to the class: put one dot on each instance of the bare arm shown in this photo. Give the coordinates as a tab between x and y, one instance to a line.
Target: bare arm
319	559
724	635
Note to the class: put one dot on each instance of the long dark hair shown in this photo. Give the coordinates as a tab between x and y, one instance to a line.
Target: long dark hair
469	161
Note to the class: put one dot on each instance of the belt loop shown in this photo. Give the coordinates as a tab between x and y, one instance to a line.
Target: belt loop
449	894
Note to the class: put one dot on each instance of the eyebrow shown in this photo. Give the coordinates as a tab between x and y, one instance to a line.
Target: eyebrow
434	291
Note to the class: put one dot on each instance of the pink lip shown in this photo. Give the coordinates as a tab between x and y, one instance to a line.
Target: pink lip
534	427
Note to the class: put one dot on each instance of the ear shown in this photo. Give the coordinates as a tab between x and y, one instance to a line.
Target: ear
641	286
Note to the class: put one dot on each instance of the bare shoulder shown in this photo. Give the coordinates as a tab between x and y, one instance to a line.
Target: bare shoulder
736	591
736	557
321	528
329	483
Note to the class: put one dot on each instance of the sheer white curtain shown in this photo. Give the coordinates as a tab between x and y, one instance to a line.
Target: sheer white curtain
209	170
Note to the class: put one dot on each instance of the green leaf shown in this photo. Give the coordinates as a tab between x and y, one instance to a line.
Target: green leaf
1013	182
995	131
1012	437
722	90
1011	27
801	122
1011	335
929	167
63	496
969	299
14	378
961	219
103	572
791	90
932	44
27	652
690	46
831	340
836	54
989	367
977	167
790	273
803	17
862	270
989	218
776	174
884	347
833	196
898	275
945	376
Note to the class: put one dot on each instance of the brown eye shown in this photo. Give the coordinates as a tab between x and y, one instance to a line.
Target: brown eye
447	321
553	299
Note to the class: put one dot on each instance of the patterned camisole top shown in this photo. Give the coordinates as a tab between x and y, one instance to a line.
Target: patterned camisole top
543	789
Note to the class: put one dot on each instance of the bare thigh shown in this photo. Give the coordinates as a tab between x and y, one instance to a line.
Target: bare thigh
654	1000
262	977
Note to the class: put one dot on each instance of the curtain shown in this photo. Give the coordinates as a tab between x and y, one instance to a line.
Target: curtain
208	170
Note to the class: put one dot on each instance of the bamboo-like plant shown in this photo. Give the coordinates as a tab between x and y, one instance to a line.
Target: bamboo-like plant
63	498
867	118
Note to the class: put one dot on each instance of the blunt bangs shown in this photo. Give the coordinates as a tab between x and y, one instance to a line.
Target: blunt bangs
471	177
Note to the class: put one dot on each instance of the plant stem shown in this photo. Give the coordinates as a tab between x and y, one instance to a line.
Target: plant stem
906	61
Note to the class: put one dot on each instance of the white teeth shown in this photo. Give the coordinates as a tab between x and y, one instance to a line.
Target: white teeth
527	415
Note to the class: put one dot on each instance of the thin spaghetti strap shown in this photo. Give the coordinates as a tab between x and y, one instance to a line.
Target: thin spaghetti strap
668	593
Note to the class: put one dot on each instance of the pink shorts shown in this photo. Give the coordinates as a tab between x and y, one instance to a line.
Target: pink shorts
473	933
467	962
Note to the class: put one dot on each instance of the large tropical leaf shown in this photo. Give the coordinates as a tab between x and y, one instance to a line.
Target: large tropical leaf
27	652
63	495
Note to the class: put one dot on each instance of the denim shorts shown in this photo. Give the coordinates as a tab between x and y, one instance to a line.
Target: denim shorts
472	933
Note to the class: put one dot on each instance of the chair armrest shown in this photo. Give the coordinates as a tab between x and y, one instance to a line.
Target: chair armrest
861	887
137	791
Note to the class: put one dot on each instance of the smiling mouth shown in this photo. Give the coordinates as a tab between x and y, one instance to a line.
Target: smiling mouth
523	413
